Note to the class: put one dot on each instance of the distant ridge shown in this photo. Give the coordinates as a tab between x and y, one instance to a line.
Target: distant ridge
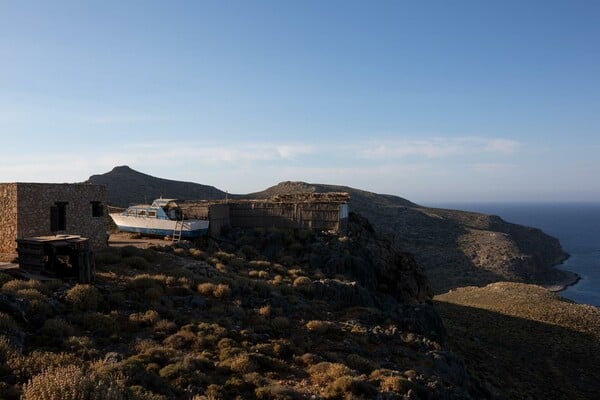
126	186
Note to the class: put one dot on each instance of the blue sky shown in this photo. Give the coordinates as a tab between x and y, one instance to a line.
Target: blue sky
431	100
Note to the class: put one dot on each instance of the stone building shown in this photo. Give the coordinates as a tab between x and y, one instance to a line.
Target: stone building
40	209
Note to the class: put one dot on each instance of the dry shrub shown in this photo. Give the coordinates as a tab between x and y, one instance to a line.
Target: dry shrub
276	392
302	281
147	318
241	363
319	326
137	392
172	371
224	256
180	252
396	384
296	272
347	387
165	327
206	289
253	273
263	274
265	311
71	382
182	340
7	351
324	372
218	291
308	359
360	363
260	264
16	285
221	267
84	297
100	324
25	367
142	282
83	346
198	254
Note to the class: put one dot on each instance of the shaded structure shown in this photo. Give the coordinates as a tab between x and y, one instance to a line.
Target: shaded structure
60	256
43	209
318	211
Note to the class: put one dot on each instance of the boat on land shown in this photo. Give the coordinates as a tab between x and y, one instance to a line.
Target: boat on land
161	218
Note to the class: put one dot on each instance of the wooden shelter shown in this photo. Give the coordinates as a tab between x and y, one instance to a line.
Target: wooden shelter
61	256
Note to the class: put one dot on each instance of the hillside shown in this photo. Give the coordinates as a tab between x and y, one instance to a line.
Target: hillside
261	314
127	186
456	248
524	340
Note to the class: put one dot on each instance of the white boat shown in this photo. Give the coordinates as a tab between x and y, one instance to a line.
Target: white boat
162	218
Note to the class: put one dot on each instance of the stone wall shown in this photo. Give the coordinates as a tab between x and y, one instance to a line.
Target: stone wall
8	219
36	199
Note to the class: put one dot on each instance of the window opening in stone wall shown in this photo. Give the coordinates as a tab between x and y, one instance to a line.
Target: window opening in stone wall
97	209
58	216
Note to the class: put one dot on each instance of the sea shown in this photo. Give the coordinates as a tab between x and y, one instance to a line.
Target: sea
577	227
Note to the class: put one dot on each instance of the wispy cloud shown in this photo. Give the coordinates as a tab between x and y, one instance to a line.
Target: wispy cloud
502	146
438	147
125	119
493	168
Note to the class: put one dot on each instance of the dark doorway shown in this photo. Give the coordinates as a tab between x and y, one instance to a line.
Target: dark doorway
58	216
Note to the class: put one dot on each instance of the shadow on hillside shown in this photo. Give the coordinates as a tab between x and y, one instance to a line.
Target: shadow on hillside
523	358
434	241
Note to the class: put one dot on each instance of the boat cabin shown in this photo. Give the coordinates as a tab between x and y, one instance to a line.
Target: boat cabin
160	208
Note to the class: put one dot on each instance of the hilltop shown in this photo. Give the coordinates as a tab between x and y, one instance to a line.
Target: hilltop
455	248
127	186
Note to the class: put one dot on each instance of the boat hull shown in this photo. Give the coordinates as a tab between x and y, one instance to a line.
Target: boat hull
159	227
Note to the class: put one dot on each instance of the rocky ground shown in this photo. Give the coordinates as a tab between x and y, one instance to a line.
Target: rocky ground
260	314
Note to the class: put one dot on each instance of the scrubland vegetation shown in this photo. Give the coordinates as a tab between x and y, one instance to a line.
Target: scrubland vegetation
262	314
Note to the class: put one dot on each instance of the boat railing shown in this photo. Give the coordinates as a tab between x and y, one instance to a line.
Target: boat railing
114	209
